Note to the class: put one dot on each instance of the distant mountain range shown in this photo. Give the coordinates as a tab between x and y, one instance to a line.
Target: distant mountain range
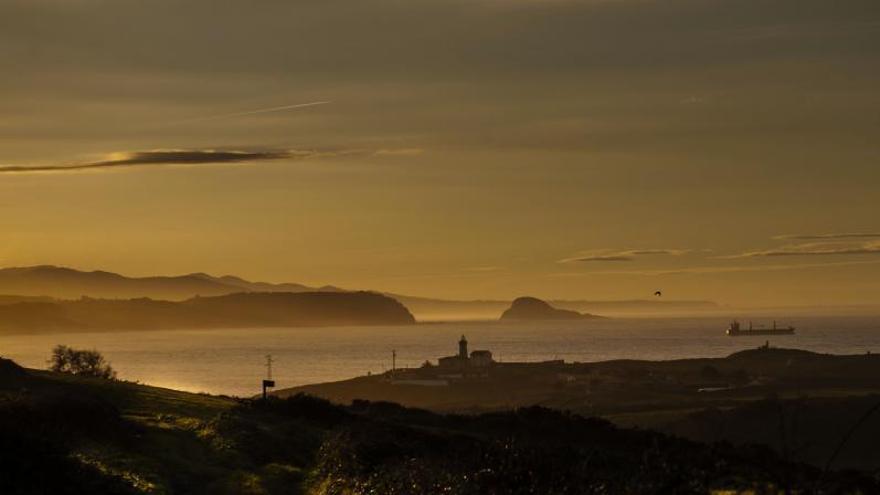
67	283
47	281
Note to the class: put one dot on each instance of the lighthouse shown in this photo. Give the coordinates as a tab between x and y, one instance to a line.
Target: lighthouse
475	363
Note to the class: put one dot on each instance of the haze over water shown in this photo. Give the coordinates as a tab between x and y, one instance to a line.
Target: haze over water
233	361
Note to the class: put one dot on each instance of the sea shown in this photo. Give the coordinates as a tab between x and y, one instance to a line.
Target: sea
234	361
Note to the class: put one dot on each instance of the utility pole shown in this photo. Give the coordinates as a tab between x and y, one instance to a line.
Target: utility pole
268	382
268	366
393	362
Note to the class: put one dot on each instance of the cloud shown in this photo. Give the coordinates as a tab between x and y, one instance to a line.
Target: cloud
483	269
254	112
708	270
845	235
399	152
622	255
198	157
163	157
600	258
814	249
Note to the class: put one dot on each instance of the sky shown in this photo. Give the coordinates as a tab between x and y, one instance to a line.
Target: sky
580	149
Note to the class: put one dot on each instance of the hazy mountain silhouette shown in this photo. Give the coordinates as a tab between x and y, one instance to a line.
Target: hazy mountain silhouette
10	299
532	308
279	309
67	283
230	280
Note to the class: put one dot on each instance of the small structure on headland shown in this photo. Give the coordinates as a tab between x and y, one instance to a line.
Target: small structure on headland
464	366
477	361
268	382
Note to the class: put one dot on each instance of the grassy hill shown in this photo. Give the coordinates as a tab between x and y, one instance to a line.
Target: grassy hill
616	387
799	403
65	434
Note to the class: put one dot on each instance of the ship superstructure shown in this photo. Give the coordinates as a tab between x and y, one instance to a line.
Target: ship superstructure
736	330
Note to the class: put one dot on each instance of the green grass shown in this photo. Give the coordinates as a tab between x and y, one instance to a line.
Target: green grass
168	441
136	400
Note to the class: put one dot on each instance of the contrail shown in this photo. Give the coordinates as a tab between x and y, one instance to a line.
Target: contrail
254	112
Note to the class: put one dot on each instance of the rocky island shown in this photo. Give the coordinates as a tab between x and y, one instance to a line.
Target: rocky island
531	308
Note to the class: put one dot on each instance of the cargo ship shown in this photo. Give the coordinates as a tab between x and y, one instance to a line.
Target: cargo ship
735	330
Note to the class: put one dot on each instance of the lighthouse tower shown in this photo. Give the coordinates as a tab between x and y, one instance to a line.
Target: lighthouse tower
462	348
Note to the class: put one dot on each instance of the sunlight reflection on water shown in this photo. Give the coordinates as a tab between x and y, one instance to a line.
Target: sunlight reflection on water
233	361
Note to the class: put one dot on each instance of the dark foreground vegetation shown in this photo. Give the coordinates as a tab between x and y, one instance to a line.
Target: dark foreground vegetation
71	434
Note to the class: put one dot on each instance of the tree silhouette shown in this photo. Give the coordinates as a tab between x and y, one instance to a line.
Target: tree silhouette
80	362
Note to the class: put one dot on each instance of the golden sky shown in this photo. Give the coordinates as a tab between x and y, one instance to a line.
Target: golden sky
723	150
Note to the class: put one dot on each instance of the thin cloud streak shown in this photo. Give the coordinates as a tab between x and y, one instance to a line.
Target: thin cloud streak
609	255
169	157
813	249
252	112
844	235
199	157
600	258
484	269
716	269
400	152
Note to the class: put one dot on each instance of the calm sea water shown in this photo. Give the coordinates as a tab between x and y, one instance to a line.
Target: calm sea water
233	361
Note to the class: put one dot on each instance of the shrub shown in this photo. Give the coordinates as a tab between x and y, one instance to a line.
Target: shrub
80	362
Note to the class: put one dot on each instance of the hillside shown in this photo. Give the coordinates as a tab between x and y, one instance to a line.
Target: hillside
697	398
97	436
278	309
620	387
